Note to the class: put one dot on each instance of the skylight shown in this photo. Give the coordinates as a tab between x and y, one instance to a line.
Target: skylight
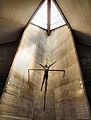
40	18
56	17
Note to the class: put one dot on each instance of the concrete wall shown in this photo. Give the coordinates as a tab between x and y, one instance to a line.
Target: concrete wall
65	99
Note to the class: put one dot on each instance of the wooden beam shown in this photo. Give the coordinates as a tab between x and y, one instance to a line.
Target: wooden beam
48	16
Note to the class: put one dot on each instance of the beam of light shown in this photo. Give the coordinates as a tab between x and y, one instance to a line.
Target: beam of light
23	60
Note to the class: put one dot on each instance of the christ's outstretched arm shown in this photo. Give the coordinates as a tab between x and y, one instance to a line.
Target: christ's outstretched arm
40	65
51	64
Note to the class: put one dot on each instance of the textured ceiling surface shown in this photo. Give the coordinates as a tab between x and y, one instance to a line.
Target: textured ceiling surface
78	14
14	15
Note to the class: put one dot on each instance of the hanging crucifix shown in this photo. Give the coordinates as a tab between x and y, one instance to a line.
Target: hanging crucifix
45	77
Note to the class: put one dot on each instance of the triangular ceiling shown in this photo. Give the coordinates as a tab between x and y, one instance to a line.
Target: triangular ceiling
41	17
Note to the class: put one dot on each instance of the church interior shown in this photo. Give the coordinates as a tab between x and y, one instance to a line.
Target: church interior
36	33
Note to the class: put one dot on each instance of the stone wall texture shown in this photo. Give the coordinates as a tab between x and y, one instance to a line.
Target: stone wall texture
22	98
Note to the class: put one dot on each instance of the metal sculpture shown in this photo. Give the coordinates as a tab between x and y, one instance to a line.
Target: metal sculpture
45	77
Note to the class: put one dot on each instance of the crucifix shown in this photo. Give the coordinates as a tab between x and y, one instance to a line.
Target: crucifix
46	69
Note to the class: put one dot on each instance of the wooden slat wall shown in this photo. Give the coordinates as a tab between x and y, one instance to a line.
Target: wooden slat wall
22	98
18	97
14	15
70	99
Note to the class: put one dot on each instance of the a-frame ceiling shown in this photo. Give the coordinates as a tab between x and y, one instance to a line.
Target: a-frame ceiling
15	14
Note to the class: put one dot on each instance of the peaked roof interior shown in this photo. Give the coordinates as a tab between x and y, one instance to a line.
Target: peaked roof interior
15	14
41	17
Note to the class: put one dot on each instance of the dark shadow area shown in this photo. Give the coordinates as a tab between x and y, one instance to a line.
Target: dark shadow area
10	36
7	53
82	37
84	55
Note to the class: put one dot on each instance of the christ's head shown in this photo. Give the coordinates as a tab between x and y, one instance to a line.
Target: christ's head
46	66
